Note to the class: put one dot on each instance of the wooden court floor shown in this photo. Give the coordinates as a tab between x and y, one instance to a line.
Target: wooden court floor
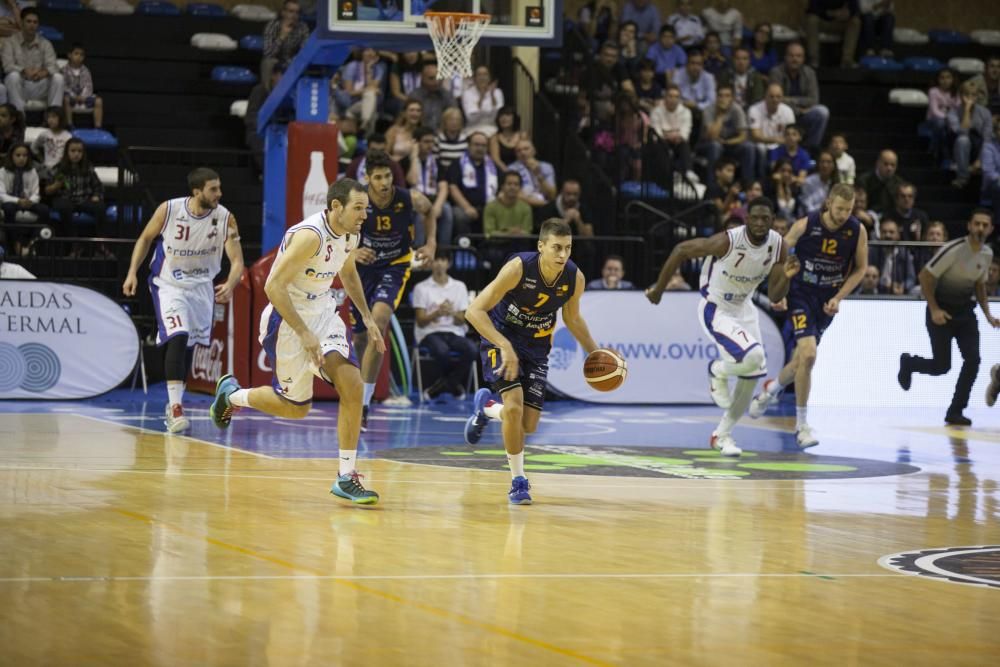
124	546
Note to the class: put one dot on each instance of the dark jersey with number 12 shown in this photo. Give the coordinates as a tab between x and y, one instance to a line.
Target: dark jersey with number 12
826	256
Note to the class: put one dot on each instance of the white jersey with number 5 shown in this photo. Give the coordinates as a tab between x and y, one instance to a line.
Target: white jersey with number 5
733	277
189	249
310	288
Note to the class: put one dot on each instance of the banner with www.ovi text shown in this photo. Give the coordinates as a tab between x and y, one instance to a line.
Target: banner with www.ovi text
665	347
62	341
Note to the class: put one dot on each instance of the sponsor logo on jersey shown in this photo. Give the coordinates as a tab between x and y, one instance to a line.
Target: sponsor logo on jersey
320	275
189	252
180	274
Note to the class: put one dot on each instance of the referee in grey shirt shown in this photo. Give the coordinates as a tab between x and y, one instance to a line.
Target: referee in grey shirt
956	273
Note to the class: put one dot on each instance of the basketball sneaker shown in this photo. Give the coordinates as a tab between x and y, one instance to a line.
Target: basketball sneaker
994	387
349	487
805	438
718	387
724	444
175	420
221	411
768	396
905	375
476	424
518	494
364	418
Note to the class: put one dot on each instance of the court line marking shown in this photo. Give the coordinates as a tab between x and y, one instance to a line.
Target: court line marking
442	613
150	431
444	577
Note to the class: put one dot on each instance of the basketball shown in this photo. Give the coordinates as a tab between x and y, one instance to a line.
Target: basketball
604	370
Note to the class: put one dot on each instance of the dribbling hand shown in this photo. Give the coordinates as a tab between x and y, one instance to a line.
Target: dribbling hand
832	307
508	368
654	295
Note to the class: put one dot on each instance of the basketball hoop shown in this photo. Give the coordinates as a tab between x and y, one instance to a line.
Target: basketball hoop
455	34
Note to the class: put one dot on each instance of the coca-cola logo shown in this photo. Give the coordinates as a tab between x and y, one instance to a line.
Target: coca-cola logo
207	362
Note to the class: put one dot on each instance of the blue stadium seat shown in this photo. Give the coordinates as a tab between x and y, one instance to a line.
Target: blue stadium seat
156	8
644	190
93	138
463	260
923	64
78	217
206	9
879	64
228	74
112	213
252	43
61	5
948	37
50	33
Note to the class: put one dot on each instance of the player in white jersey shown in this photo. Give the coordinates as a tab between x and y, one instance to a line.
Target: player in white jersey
190	234
304	336
739	260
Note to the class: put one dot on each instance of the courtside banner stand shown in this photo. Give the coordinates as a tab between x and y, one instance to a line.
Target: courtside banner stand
228	350
665	346
62	341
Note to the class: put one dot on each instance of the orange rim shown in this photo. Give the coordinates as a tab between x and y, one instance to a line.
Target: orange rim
457	16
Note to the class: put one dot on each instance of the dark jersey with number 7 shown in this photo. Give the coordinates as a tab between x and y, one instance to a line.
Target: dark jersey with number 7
528	312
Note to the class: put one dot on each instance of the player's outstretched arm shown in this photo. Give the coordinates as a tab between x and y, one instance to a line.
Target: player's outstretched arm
356	292
574	321
422	205
298	250
477	314
716	245
795	232
781	275
141	249
234	251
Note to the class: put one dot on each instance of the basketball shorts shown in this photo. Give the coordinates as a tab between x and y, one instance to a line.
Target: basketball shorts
183	310
380	283
533	370
806	314
735	332
293	369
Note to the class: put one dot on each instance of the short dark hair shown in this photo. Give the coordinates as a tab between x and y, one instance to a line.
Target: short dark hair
982	210
796	127
341	190
509	110
646	63
554	227
725	162
713	33
421	132
377	159
666	27
761	201
443	253
510	172
613	258
29	11
376	138
198	177
696	52
77	45
610	44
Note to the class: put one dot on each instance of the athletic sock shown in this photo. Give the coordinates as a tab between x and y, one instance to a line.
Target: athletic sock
742	395
240	398
369	392
348	460
800	416
494	411
175	392
516	462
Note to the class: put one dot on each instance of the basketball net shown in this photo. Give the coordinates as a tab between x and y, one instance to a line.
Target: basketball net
455	34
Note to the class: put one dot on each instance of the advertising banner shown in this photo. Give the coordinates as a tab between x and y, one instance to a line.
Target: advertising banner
62	341
666	349
312	166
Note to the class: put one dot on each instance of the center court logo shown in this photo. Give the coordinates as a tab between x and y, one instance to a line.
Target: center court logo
31	366
666	462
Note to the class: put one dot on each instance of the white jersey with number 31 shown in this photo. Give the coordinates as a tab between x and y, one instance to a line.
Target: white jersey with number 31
733	277
189	249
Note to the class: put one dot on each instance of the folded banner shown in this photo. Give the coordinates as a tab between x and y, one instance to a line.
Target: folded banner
62	341
666	349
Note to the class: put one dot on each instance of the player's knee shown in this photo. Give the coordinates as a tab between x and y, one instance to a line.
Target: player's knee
755	361
513	410
807	356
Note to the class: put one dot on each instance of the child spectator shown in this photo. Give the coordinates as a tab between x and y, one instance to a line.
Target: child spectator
50	143
846	168
666	54
75	187
793	152
19	192
941	99
723	191
715	61
11	128
78	93
647	88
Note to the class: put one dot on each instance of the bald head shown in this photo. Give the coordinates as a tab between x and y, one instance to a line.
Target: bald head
887	164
